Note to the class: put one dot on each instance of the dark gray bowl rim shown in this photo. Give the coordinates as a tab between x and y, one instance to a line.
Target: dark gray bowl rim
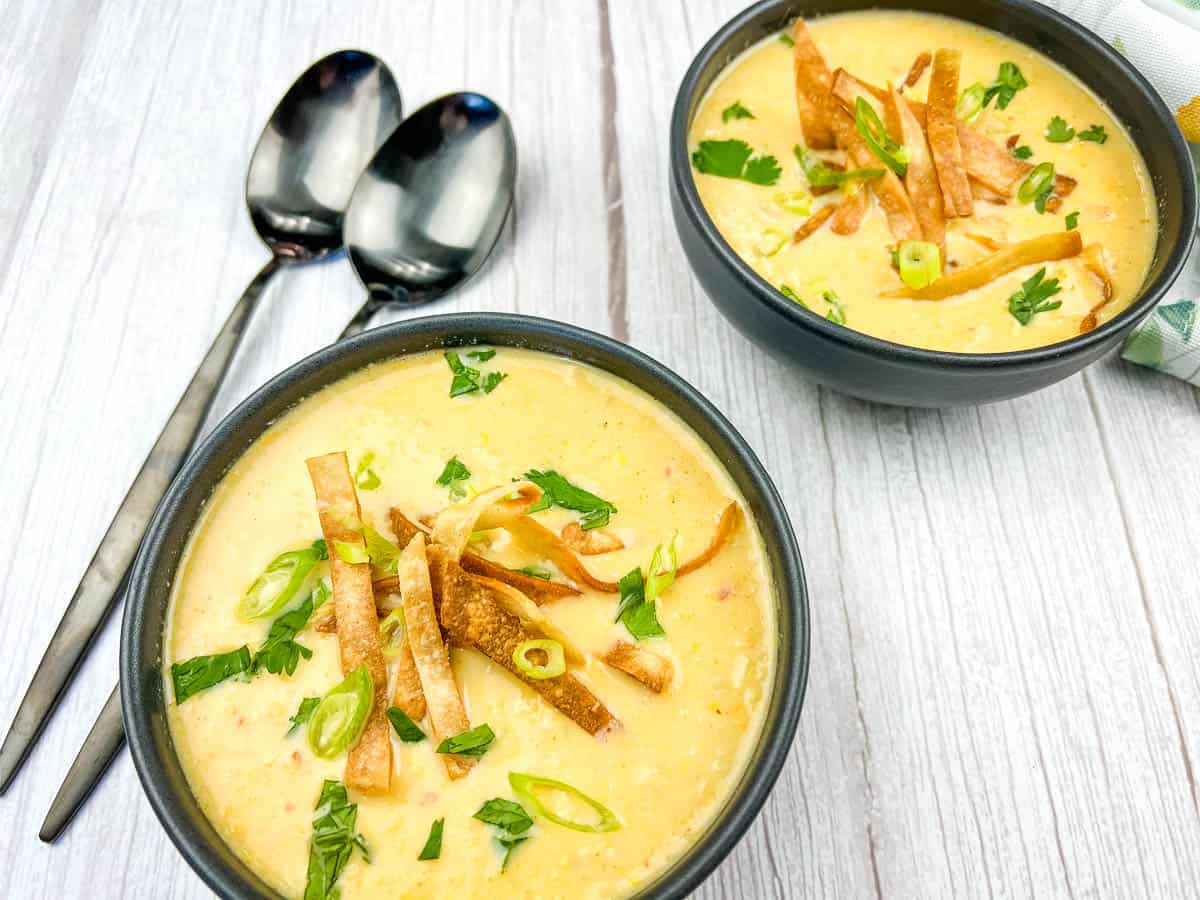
765	292
503	329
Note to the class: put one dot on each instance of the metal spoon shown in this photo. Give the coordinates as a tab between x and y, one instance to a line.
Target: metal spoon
299	183
430	207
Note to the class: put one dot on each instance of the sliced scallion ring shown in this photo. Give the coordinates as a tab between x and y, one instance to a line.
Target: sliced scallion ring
796	202
771	242
970	104
338	720
920	263
1038	182
869	125
525	785
391	633
555	664
351	553
280	581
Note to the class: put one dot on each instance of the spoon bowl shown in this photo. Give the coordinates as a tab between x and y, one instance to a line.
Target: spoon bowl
432	202
319	138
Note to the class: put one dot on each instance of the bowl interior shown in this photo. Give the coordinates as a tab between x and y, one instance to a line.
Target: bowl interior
142	636
1093	61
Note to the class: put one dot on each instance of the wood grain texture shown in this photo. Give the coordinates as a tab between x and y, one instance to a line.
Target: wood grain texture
1004	696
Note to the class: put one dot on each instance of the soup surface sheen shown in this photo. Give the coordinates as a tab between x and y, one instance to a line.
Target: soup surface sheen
1114	197
666	772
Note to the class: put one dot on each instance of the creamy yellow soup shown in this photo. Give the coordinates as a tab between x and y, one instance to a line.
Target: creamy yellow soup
665	772
1114	198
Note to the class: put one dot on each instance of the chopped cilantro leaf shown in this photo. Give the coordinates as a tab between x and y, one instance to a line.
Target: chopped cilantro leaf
735	159
1032	298
557	491
1058	131
735	110
1072	220
1094	133
406	729
1022	152
470	743
307	705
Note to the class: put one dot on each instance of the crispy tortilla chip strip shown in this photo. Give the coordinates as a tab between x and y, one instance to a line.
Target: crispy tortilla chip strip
990	163
1092	258
984	240
590	542
847	215
1045	248
527	611
406	686
538	589
812	224
942	127
473	617
725	528
369	763
447	716
921	179
917	69
493	508
652	670
812	89
541	540
902	218
985	194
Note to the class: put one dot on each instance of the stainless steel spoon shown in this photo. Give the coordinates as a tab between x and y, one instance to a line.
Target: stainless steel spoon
430	207
300	179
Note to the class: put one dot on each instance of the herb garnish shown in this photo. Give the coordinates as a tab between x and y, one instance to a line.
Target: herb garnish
352	553
1093	133
202	672
1032	298
1058	131
791	295
638	616
383	553
735	110
406	729
820	175
433	844
870	128
1037	186
557	491
280	581
837	311
1022	152
454	472
364	476
535	572
335	835
1008	81
281	653
510	820
1072	220
735	159
468	380
473	743
307	705
786	40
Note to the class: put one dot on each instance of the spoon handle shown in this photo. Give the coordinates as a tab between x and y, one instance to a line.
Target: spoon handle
105	575
95	756
361	319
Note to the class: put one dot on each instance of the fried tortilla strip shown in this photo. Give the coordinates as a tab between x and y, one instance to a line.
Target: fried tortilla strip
985	194
406	687
541	540
527	611
902	218
847	215
921	179
539	589
447	716
986	241
590	542
369	763
942	127
652	670
1092	258
1045	248
726	525
493	508
917	69
813	223
473	617
993	166
812	89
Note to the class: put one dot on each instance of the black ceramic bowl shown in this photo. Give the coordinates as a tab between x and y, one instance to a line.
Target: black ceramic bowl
880	370
142	698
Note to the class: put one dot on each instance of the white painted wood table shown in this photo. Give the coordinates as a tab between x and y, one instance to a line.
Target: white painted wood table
1005	692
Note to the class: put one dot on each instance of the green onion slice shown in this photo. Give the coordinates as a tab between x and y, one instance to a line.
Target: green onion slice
659	578
820	175
1038	182
525	785
796	202
771	242
351	553
391	633
970	104
280	582
891	154
555	664
337	722
920	263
